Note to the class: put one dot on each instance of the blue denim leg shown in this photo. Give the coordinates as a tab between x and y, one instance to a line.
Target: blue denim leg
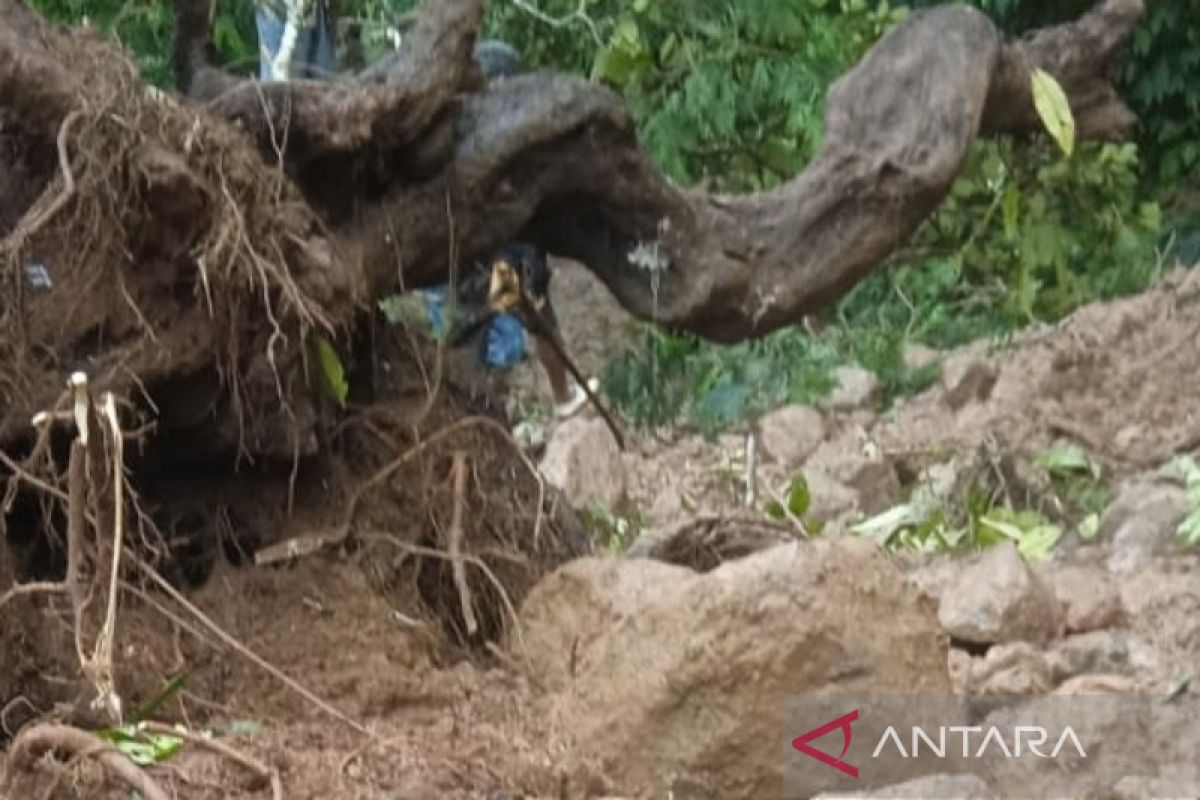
506	342
315	55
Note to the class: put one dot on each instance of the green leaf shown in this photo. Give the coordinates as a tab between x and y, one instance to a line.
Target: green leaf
141	747
1033	536
332	369
1010	207
1052	106
161	699
1037	542
1067	458
799	497
1089	527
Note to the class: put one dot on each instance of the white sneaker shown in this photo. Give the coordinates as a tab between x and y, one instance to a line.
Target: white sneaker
578	400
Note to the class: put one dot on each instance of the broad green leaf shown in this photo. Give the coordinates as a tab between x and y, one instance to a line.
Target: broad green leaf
1006	529
1052	106
1067	458
1036	543
332	370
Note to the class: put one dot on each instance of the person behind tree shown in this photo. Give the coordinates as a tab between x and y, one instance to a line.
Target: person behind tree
297	41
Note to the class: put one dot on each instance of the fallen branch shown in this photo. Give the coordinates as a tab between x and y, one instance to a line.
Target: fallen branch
35	741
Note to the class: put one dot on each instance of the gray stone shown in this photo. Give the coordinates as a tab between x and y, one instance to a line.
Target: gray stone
999	599
856	388
583	461
1141	524
1089	598
829	498
790	434
1108	653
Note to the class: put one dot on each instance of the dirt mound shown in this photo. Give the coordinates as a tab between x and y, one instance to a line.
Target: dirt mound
671	681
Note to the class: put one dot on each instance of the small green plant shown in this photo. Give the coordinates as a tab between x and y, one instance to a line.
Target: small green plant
1186	470
1076	484
798	499
929	523
613	530
140	745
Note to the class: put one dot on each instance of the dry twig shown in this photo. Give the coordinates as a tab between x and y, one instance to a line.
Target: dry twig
454	542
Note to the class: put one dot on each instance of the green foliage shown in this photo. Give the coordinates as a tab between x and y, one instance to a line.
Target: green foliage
1158	73
142	746
1046	233
726	92
798	499
928	523
612	530
1186	470
146	28
1075	485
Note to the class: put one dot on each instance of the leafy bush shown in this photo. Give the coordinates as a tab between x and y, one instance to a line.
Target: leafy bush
1158	73
146	28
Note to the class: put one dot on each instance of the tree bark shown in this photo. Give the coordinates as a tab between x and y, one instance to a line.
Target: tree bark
389	177
556	159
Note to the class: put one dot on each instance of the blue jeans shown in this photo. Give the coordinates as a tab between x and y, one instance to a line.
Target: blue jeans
501	343
314	56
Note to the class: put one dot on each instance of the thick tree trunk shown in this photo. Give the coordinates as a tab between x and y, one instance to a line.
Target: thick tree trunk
156	215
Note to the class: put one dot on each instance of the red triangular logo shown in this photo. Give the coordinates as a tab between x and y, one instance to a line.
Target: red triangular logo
843	722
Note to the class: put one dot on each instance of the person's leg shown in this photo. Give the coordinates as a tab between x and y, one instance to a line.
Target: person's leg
561	381
322	47
270	32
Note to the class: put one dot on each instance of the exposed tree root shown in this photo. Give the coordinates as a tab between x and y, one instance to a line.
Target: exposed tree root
35	741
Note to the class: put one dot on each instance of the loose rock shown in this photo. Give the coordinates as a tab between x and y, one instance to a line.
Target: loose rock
1141	524
999	599
856	388
584	462
1089	598
665	672
789	435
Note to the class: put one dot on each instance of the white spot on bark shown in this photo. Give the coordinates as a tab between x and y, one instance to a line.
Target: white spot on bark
649	256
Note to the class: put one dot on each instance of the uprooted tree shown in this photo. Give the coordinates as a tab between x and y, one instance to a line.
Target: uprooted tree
184	251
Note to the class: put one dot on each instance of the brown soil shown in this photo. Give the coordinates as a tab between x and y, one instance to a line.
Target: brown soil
355	626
